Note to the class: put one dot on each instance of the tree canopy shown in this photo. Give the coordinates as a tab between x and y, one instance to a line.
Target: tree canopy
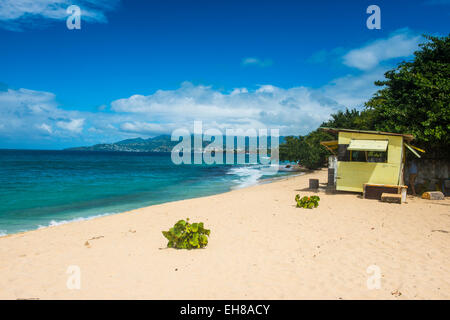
413	98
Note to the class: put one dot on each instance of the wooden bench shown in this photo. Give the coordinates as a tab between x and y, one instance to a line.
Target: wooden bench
374	191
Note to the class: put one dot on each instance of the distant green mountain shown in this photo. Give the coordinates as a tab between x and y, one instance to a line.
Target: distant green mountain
157	144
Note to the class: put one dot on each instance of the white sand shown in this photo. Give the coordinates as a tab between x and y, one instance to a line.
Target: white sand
261	247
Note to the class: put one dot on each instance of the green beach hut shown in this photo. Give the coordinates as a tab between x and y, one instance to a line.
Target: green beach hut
369	157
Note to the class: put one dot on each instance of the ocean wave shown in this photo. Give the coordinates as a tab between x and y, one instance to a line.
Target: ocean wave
246	176
2	233
54	223
250	175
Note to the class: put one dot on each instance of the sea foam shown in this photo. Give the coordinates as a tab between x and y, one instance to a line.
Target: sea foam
246	176
54	223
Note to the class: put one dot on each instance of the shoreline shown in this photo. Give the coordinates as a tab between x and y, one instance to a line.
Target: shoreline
261	247
101	215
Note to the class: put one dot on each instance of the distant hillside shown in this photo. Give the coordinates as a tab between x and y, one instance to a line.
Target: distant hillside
157	144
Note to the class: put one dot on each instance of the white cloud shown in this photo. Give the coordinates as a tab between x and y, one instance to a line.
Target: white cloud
353	90
266	88
73	125
145	127
45	128
34	115
19	14
256	62
29	114
239	90
399	44
290	110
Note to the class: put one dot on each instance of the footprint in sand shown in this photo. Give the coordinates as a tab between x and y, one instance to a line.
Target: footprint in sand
96	238
443	231
396	293
88	245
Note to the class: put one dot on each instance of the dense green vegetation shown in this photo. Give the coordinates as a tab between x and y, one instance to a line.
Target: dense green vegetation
414	98
307	202
185	235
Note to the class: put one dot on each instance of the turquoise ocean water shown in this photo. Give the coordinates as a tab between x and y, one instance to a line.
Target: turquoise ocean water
44	188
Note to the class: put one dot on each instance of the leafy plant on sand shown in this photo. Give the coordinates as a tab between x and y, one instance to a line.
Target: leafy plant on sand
185	235
307	202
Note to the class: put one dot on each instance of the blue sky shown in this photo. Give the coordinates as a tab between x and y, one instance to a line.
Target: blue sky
143	68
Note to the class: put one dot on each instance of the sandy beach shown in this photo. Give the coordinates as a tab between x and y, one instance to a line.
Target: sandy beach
261	247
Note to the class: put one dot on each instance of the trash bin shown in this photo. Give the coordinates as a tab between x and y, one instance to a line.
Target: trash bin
314	183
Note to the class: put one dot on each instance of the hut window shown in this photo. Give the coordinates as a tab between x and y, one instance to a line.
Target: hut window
367	156
359	156
376	156
363	151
